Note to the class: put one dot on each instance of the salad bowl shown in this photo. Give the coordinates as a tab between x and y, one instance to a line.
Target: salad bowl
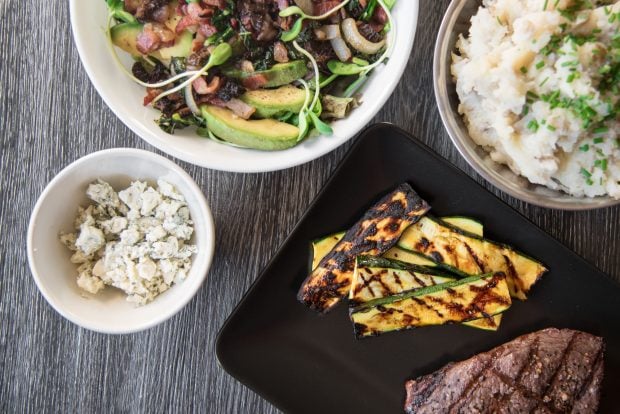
124	97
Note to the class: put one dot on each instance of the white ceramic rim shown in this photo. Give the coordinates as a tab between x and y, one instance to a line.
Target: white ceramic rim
397	64
459	136
202	206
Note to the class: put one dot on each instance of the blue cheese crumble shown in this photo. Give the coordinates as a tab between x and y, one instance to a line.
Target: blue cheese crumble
136	240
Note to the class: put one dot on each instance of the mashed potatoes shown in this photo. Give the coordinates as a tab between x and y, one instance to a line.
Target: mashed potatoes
539	86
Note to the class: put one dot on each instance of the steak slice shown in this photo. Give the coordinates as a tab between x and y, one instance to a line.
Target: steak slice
549	371
375	233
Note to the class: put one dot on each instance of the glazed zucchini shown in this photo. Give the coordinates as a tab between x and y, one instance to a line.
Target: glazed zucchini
377	231
377	277
452	302
452	247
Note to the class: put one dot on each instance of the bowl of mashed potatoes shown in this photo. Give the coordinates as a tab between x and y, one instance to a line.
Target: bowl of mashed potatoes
529	92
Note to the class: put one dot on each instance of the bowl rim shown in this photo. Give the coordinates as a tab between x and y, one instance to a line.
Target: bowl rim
404	41
458	136
199	274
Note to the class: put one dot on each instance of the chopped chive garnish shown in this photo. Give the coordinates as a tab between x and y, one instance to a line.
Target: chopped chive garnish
569	63
533	125
600	130
540	64
544	81
602	164
545	5
584	148
598	140
526	110
585	173
550	127
523	69
589	181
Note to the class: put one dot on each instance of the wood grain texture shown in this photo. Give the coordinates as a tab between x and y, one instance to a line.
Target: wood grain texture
51	117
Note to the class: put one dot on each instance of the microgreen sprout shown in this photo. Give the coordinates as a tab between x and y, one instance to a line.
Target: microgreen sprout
219	56
308	111
294	31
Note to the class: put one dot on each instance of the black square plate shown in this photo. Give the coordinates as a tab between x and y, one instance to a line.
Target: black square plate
305	363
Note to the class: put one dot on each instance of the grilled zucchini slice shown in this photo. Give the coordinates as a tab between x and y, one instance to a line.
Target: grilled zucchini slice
467	224
452	247
377	231
376	277
322	246
452	302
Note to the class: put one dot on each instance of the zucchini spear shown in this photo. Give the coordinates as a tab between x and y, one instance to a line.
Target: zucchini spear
449	246
376	232
452	302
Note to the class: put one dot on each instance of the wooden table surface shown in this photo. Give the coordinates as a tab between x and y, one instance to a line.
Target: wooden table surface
50	115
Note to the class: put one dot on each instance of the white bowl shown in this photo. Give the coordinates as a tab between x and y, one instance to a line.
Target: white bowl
124	97
55	211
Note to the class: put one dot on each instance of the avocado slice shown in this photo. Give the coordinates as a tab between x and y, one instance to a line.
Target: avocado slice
273	102
278	75
260	134
125	36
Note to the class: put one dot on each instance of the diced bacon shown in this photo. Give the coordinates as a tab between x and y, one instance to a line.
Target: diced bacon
325	6
247	66
154	36
207	29
151	93
220	4
203	88
379	16
240	108
280	53
198	42
254	82
185	23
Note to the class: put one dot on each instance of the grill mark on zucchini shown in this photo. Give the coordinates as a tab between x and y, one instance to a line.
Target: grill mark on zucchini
377	231
441	300
472	253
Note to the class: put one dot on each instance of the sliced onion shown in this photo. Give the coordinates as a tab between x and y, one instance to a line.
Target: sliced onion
189	100
342	50
331	31
359	42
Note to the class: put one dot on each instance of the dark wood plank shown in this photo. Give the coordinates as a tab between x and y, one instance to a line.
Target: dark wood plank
51	115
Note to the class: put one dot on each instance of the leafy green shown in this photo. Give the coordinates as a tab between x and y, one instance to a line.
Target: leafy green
117	10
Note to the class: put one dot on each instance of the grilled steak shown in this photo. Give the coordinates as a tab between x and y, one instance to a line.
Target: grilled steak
549	371
377	231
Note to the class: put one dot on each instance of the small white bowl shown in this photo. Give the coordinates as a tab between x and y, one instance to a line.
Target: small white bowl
55	211
124	97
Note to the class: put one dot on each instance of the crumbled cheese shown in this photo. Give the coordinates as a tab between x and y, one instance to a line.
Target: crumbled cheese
135	240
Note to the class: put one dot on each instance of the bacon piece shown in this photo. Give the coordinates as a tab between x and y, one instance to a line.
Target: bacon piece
207	29
280	53
154	36
325	6
240	108
151	93
203	88
254	82
220	4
